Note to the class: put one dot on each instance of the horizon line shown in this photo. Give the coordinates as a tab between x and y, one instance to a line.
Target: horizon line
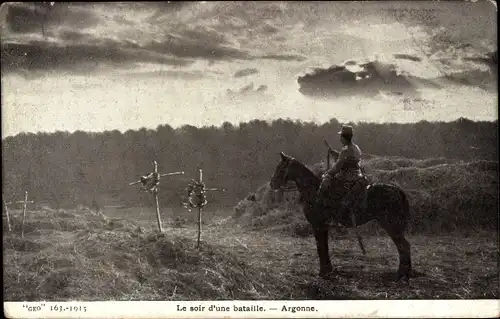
295	121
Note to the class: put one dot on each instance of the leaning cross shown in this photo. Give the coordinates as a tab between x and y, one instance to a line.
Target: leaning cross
150	184
25	202
7	213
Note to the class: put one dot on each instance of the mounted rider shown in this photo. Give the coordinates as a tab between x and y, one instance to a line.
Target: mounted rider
339	179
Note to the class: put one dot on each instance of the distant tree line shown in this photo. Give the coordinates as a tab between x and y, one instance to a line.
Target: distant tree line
64	168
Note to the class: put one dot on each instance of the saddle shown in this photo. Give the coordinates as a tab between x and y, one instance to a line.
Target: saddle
346	196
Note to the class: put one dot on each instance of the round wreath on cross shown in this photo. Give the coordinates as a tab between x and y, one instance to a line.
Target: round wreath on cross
150	182
196	194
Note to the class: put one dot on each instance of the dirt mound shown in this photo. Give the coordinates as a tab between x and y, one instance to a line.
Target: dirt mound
60	220
120	261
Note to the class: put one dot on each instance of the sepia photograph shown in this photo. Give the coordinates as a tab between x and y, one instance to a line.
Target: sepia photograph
249	151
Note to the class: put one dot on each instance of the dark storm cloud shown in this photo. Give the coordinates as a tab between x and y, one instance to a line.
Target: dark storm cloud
33	17
283	57
245	72
193	50
71	35
164	7
247	90
161	6
177	74
407	57
269	29
197	43
261	88
373	77
490	59
485	80
37	55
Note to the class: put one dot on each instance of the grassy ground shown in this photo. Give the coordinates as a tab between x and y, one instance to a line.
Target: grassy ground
77	256
263	249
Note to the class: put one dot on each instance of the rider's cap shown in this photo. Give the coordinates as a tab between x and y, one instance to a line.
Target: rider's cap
346	130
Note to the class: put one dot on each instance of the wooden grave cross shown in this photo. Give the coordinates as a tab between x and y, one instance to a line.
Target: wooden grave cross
25	203
7	213
150	184
197	199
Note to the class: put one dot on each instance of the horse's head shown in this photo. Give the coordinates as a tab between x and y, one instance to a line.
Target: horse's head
281	174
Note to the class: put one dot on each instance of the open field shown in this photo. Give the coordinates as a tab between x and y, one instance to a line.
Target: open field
263	248
65	256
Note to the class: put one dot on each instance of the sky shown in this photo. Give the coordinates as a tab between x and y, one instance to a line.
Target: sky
105	66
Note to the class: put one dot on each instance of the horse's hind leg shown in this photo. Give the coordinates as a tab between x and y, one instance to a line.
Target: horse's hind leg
321	235
404	250
397	235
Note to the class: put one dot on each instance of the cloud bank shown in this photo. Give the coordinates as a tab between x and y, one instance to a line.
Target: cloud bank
82	37
369	78
360	79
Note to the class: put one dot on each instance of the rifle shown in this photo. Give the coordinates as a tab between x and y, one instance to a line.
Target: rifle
332	152
335	155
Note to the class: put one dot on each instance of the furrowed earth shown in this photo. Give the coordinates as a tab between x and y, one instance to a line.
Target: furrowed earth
263	248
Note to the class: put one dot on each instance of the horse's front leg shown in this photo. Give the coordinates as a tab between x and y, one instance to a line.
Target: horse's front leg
321	235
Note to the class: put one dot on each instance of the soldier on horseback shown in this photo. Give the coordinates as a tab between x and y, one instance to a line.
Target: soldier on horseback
337	183
386	203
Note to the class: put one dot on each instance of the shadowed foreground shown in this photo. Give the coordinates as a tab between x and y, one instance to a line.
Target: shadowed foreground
66	256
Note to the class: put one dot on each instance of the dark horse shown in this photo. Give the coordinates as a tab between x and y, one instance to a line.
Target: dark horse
385	203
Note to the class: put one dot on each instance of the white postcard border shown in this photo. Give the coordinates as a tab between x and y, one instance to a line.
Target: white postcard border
488	308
